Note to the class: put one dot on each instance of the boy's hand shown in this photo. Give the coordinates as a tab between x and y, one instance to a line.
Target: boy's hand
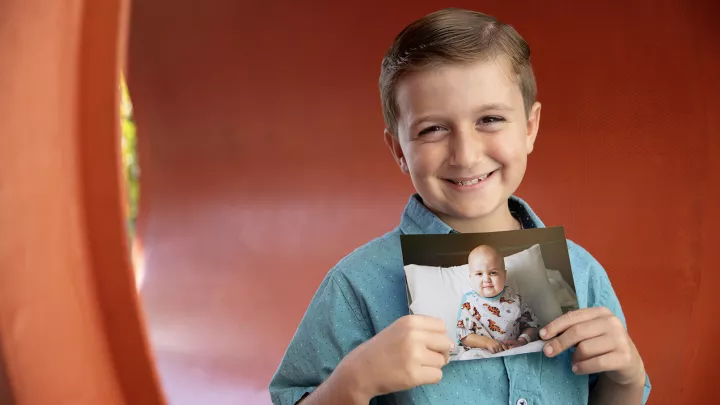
601	344
408	353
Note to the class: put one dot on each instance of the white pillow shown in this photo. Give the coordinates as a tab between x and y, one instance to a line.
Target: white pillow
437	291
565	294
528	276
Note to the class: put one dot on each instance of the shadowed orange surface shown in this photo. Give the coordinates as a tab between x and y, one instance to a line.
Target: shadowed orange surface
263	164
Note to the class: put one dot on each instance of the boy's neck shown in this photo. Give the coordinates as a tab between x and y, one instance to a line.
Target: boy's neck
501	220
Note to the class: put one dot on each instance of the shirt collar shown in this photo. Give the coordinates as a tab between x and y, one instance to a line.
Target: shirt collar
495	298
418	219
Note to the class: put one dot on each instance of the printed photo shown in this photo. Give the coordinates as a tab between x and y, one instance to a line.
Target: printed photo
494	291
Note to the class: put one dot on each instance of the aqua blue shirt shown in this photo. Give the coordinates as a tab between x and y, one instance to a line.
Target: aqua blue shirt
365	292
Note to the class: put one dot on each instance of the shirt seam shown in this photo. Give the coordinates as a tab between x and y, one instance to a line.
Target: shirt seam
361	320
605	291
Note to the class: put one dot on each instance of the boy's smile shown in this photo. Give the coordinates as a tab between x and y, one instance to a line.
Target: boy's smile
463	137
472	183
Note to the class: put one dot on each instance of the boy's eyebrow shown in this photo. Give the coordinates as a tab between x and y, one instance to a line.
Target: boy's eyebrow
495	106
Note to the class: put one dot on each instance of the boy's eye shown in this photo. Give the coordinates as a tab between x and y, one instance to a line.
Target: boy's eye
491	120
433	128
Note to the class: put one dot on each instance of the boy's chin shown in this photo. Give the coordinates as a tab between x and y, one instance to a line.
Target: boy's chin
474	206
469	209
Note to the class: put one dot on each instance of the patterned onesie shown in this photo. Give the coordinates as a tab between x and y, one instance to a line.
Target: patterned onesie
501	318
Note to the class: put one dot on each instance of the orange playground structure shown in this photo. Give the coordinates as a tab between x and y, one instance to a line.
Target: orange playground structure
260	145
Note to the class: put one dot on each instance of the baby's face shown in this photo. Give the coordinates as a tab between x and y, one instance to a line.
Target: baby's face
487	274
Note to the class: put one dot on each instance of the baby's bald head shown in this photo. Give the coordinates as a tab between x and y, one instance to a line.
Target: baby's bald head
486	256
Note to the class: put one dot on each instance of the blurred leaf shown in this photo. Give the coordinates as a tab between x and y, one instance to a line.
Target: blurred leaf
129	156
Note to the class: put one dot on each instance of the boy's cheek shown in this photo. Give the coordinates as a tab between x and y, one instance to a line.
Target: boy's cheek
509	148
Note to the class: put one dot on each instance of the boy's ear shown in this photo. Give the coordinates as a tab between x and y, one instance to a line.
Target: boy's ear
533	125
394	145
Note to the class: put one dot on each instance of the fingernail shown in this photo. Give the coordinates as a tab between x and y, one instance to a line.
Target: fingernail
574	368
543	332
548	350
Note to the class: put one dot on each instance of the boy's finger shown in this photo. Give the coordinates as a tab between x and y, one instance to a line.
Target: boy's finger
606	362
574	335
438	342
446	357
434	359
594	347
429	323
430	375
567	320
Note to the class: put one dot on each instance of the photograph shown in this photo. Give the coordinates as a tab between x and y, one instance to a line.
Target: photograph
494	291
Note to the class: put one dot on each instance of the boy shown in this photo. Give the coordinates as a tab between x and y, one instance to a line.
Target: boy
492	316
458	97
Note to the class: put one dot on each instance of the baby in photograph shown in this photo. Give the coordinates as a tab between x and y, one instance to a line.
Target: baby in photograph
493	317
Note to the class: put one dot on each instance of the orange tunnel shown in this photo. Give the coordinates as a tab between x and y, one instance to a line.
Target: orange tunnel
263	163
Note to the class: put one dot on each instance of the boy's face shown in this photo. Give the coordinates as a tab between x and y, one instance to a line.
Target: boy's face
463	123
487	273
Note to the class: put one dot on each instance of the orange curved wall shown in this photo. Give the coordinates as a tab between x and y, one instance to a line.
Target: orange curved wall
263	163
71	327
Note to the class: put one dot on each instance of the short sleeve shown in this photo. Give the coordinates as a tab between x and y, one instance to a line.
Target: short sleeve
602	294
330	329
527	317
465	323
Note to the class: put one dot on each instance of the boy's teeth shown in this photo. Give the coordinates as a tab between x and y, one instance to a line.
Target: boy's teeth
471	182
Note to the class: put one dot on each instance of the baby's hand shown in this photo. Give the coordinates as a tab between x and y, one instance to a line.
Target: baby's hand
494	346
512	343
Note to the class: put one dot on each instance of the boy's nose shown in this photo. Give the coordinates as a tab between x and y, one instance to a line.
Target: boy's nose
465	148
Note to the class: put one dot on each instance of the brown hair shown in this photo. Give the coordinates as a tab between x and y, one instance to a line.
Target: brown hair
448	36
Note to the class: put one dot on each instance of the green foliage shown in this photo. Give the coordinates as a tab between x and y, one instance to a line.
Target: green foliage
129	157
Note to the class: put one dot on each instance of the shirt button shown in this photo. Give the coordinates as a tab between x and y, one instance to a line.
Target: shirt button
522	401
